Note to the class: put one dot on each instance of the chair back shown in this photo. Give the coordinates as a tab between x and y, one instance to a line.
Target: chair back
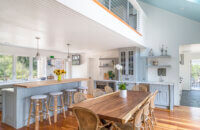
79	97
140	87
138	118
87	120
146	109
108	89
98	92
136	88
152	102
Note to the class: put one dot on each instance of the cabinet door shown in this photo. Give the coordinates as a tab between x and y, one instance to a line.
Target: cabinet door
130	68
123	62
162	97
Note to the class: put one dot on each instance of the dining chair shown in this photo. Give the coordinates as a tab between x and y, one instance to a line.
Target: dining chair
88	120
108	89
137	123
146	116
98	92
140	87
152	107
79	97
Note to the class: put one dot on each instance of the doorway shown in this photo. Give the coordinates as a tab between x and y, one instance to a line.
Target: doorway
195	74
189	69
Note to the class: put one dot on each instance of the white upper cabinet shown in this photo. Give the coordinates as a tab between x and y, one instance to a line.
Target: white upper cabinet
128	59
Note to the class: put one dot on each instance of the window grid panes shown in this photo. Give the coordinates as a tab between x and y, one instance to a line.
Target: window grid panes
123	62
6	65
22	67
35	68
131	64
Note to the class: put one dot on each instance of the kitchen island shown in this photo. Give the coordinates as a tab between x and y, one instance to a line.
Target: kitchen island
164	99
16	102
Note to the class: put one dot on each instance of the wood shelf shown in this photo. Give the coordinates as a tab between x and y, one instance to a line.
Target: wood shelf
159	66
108	59
106	66
164	56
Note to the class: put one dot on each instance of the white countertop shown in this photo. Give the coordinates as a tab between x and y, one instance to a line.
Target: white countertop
142	82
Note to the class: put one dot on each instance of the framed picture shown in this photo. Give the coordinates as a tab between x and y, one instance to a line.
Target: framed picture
161	71
76	59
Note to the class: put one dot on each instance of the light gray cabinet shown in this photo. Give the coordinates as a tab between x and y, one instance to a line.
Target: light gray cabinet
128	59
164	97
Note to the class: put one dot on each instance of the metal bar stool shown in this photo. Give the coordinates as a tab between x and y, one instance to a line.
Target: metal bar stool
83	89
54	108
37	100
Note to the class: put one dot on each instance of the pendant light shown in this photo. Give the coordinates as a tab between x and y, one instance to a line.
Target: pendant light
68	56
37	54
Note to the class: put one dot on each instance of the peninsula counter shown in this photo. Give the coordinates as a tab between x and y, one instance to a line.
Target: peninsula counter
16	103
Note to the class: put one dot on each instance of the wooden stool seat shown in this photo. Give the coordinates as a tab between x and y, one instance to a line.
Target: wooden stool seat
38	97
37	100
56	93
55	106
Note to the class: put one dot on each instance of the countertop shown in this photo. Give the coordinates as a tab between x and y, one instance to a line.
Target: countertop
48	82
142	82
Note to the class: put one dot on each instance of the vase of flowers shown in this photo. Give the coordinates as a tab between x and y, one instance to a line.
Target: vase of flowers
59	73
123	90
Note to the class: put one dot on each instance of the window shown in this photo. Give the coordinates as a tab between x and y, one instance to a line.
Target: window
22	67
6	65
35	66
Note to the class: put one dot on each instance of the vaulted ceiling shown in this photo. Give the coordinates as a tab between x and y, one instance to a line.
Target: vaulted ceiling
22	20
186	8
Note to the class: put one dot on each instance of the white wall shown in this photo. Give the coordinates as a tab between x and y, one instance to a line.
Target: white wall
82	70
163	27
185	70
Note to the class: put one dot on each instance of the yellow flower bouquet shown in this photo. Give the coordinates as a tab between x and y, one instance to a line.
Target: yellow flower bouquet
59	73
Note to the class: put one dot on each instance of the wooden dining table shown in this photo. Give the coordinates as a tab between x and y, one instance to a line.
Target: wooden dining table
112	107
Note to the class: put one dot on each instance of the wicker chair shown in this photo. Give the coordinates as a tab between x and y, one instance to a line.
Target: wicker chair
140	87
108	89
146	115
88	120
137	122
79	97
152	107
98	92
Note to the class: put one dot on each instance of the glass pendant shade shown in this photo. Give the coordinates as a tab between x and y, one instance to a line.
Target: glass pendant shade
37	57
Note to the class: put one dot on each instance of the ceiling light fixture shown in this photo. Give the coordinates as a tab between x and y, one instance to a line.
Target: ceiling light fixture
68	56
37	54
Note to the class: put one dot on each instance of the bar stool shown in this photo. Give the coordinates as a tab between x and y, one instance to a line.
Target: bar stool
37	99
83	89
70	92
54	108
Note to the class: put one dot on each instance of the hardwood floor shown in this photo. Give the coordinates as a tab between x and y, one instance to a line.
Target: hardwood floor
182	118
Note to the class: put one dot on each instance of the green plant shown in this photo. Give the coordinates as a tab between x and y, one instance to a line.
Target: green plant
111	74
122	86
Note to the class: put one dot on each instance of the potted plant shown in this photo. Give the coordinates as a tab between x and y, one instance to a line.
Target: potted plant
59	73
123	90
111	75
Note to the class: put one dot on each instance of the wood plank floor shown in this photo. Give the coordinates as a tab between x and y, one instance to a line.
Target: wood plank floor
182	118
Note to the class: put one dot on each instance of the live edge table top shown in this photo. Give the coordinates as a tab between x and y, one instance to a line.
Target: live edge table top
114	108
49	82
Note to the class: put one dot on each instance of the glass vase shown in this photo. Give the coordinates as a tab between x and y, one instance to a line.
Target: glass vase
59	77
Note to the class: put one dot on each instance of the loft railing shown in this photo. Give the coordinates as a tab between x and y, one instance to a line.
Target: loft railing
123	9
